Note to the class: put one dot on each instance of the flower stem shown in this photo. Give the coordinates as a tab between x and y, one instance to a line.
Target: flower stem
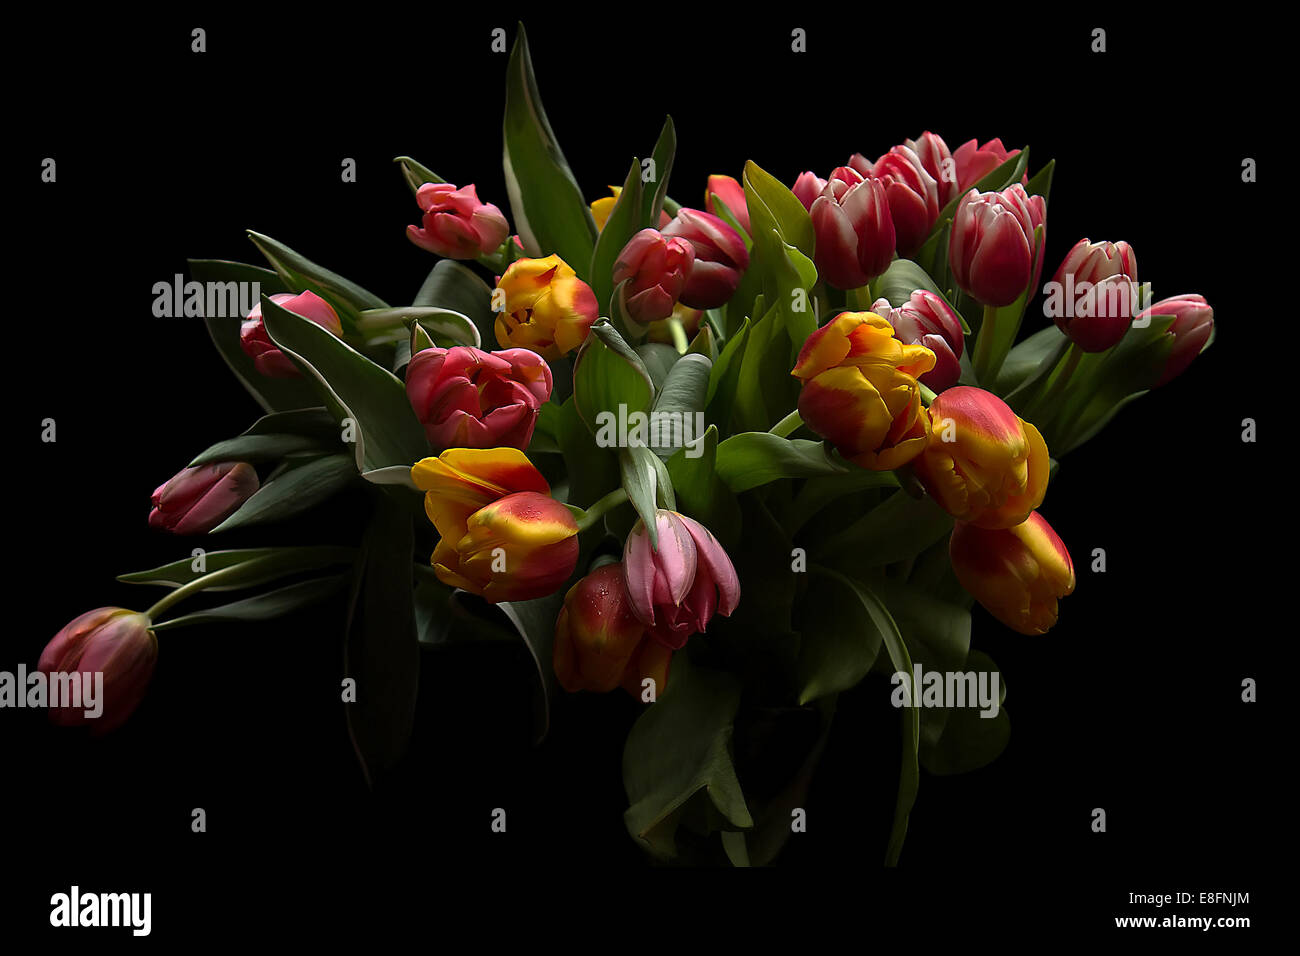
984	347
678	332
927	394
786	425
598	509
202	582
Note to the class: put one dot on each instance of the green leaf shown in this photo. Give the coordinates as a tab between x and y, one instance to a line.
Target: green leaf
262	607
314	422
772	206
352	387
301	274
261	565
257	448
607	374
898	528
701	493
751	459
646	481
535	622
1040	184
457	288
665	152
969	740
294	491
416	175
1028	357
901	279
659	360
680	406
550	213
839	639
623	223
681	746
445	326
726	374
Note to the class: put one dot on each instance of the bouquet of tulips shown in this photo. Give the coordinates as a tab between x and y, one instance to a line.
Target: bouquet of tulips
729	460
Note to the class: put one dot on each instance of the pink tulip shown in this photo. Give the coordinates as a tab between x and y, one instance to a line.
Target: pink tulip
720	258
1191	330
939	163
925	319
807	188
732	194
468	398
855	233
456	224
196	500
913	196
992	250
677	588
1095	293
111	641
257	344
974	161
656	269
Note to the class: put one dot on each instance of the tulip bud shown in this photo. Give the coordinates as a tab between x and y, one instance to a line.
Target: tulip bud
655	268
860	390
732	194
468	398
913	197
1191	330
807	188
854	231
1094	294
925	319
196	500
983	464
993	250
720	258
547	308
974	162
257	344
598	638
939	163
456	224
111	641
1017	573
676	589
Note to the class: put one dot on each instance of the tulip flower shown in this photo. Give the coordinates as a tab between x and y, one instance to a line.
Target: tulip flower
732	194
937	160
860	390
913	197
926	319
111	641
468	398
676	588
1191	330
456	225
257	344
1094	293
854	230
656	268
501	535
546	307
720	258
601	208
994	252
807	188
983	464
1017	573
974	161
196	500
600	643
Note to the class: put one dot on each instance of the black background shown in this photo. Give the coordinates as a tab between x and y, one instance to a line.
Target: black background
1132	703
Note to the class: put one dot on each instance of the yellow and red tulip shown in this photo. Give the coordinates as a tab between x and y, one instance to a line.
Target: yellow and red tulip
983	463
602	207
1017	573
547	307
860	390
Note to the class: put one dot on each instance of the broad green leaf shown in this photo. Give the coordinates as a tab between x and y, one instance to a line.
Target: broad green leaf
901	279
623	223
679	409
1040	184
455	287
725	375
970	740
751	459
263	606
659	360
260	565
535	622
294	491
898	528
416	174
772	205
665	152
839	639
648	485
258	448
314	422
445	326
609	375
301	274
699	490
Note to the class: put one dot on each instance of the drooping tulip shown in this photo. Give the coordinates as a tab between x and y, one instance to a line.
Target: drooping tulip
656	269
546	307
1094	294
732	194
995	250
860	390
983	464
196	500
1191	330
676	588
111	641
257	344
926	319
467	398
1018	573
456	225
853	228
720	258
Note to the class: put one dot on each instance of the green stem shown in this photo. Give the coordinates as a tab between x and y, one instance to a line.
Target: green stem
202	582
1055	391
598	509
983	356
678	332
927	394
786	425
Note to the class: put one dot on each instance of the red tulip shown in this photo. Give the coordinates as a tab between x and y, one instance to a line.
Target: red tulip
656	269
926	319
196	500
1094	293
939	163
468	398
720	258
257	344
732	194
456	224
854	230
111	641
913	196
974	161
993	250
1191	330
807	188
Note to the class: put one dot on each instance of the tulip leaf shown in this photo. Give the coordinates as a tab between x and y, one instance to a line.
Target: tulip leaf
701	493
294	491
259	566
445	326
839	639
817	493
416	175
681	747
623	223
608	375
902	278
315	422
723	212
262	607
969	740
1028	358
457	288
355	389
549	211
258	448
665	152
726	374
678	415
659	360
751	459
273	394
772	206
1040	184
301	274
381	652
535	622
646	481
898	528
